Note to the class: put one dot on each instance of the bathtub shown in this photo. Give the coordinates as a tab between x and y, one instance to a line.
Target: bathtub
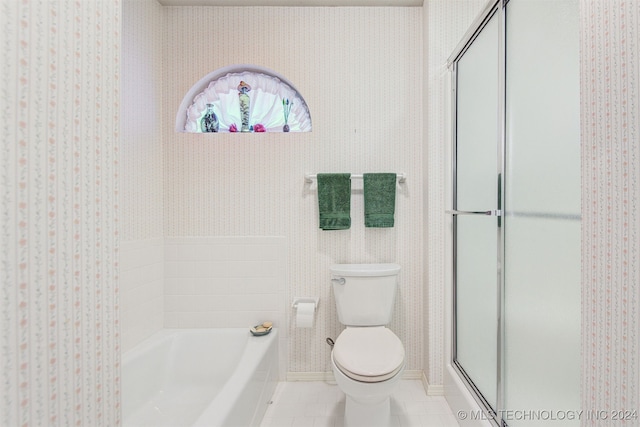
199	377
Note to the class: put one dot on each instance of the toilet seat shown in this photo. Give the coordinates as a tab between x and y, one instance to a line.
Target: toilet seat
368	354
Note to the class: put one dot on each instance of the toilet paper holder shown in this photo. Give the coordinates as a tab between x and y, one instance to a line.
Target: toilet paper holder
314	300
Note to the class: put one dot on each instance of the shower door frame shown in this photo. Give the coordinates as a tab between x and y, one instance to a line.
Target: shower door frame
495	9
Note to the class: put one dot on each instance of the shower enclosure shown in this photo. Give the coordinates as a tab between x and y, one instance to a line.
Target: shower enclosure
516	214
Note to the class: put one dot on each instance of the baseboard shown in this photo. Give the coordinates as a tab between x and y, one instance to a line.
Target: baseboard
412	374
328	376
311	376
432	389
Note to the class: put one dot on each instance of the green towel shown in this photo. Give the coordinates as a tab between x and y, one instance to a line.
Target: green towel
334	200
379	199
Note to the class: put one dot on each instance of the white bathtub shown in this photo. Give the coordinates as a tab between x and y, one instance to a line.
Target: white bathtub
199	377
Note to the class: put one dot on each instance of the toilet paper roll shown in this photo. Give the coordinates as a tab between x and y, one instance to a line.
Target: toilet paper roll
304	314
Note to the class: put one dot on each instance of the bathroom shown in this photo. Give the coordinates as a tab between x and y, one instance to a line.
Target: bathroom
106	206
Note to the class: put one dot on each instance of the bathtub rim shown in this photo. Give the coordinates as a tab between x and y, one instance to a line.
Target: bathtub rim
257	347
254	351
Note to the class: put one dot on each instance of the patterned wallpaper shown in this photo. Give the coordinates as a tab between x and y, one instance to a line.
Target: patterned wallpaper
60	93
610	73
360	72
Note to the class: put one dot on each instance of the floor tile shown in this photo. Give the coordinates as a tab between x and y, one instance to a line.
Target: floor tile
321	404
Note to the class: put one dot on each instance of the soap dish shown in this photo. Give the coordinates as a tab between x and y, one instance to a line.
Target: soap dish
260	330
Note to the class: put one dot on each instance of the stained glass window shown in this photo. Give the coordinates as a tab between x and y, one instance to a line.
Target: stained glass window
241	100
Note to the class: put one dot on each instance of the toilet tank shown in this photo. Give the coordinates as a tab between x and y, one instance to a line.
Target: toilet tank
364	293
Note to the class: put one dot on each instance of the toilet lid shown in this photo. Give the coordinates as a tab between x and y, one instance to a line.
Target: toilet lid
368	353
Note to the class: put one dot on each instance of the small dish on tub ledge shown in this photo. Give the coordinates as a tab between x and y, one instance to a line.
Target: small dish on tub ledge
262	329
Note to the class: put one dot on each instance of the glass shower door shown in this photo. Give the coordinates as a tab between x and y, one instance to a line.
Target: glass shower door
542	213
516	210
475	206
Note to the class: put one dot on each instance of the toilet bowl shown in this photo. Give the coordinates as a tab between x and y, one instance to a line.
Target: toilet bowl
367	362
367	358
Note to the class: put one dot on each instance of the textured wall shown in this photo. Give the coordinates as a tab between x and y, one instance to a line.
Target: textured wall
58	168
141	197
610	73
141	169
360	71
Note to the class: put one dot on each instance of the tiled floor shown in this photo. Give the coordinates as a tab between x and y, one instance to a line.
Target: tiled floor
320	404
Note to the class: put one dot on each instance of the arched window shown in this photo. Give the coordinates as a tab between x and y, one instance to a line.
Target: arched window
243	98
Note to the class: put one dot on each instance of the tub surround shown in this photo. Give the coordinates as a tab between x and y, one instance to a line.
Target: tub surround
227	282
141	290
224	281
203	282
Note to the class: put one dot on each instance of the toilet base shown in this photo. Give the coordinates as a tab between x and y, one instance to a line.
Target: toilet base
358	414
371	406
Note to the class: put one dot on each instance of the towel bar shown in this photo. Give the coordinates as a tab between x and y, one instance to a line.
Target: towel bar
402	177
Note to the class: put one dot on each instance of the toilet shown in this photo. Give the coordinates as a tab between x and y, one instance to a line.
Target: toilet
367	358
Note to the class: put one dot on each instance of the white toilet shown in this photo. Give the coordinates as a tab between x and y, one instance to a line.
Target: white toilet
367	358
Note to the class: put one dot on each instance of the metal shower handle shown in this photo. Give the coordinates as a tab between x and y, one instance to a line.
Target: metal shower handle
496	212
